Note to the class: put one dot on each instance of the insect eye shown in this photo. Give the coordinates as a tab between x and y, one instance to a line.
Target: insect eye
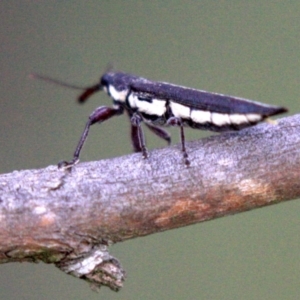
105	80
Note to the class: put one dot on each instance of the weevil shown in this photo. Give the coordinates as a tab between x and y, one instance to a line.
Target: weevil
160	104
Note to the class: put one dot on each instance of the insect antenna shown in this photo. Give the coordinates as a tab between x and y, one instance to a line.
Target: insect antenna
88	91
56	81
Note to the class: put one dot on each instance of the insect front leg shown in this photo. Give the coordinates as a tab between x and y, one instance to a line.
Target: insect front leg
175	121
137	135
100	115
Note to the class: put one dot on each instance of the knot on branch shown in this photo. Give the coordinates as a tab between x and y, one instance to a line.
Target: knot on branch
97	267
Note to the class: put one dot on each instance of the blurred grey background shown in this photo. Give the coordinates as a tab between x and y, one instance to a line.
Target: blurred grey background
244	48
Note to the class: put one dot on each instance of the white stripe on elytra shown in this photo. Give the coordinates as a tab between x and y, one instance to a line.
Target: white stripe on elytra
238	119
200	116
180	111
220	119
156	107
253	117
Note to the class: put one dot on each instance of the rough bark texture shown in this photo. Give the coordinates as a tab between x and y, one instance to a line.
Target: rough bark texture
70	217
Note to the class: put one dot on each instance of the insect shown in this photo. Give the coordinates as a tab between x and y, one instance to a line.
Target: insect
160	104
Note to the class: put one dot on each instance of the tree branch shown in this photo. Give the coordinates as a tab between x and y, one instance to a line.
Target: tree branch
70	217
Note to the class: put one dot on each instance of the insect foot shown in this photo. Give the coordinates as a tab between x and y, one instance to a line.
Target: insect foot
67	165
175	121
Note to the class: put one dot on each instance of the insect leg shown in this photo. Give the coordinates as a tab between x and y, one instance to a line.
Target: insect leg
100	115
136	121
134	135
160	133
174	121
135	139
156	130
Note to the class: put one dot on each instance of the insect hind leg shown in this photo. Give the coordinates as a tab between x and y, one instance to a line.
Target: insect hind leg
174	121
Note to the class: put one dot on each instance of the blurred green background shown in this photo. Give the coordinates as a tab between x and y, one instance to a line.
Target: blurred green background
244	48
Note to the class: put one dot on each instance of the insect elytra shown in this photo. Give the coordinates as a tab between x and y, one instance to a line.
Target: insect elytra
159	104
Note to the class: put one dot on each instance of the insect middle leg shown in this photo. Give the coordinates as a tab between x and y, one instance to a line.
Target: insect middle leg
156	130
135	141
160	133
174	121
100	115
137	135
